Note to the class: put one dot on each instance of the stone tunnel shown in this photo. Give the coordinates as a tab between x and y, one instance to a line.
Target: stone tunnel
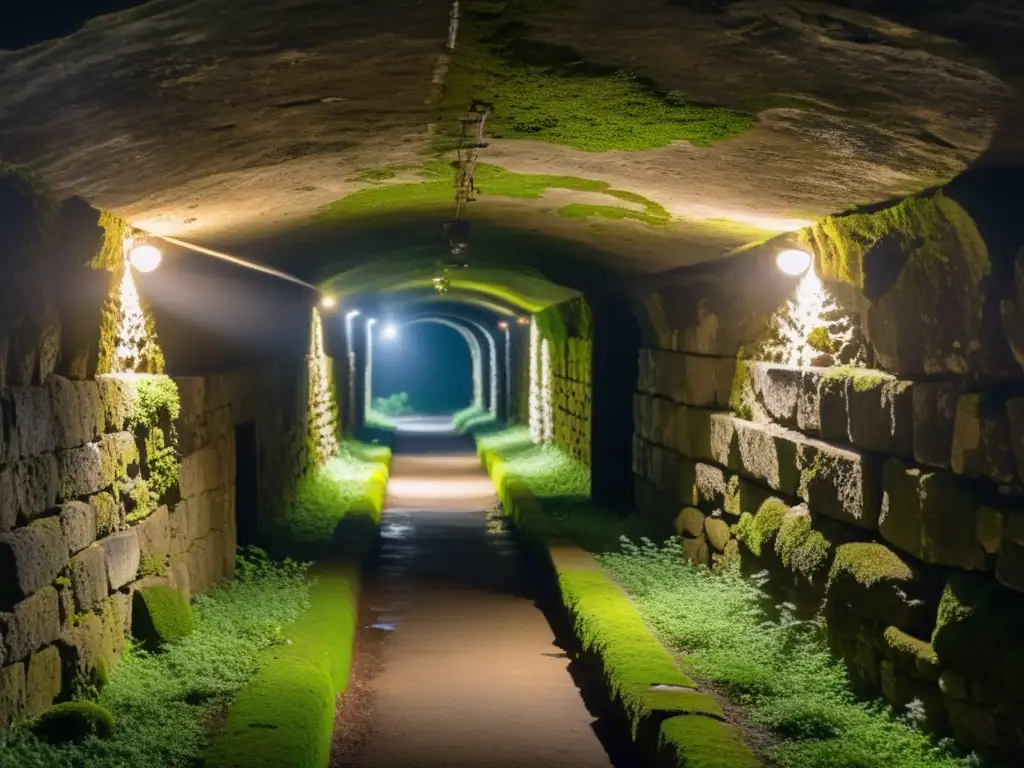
722	306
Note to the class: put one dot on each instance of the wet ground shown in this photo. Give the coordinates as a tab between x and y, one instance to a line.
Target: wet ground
457	663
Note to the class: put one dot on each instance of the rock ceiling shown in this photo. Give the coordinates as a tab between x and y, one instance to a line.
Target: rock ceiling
279	127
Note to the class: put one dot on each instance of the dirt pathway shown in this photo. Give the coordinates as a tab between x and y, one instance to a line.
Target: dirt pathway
456	665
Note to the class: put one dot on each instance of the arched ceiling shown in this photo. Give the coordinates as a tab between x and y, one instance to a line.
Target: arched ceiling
627	138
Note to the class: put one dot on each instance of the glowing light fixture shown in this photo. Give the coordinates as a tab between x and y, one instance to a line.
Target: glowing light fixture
793	262
328	302
353	313
523	320
503	325
389	332
145	258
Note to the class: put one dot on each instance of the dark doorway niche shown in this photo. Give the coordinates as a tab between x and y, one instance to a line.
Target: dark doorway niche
246	482
613	377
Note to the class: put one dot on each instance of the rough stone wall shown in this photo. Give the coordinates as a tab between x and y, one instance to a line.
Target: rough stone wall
570	396
890	500
82	526
289	425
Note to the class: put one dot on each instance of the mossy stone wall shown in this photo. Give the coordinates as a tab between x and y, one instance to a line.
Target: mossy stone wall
84	502
889	497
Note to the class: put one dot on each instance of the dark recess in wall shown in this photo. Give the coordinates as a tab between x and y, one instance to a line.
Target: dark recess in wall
613	376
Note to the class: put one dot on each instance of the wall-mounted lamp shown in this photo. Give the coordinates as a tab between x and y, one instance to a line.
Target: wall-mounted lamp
145	258
327	301
523	320
793	262
389	332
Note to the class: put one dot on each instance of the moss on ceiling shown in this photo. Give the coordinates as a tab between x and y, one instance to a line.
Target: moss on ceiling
436	190
547	92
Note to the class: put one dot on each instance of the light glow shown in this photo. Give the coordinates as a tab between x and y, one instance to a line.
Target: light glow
523	320
503	325
145	258
793	262
547	413
132	334
328	301
806	308
389	332
536	417
353	313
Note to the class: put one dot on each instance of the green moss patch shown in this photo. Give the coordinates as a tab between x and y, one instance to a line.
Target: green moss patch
608	624
336	504
284	717
74	721
160	615
435	192
758	531
546	92
701	741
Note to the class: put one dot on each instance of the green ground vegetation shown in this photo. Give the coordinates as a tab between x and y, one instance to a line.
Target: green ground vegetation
162	704
548	92
284	716
340	498
396	404
74	722
728	630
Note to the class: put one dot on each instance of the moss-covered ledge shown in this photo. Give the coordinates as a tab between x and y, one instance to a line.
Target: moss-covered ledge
673	723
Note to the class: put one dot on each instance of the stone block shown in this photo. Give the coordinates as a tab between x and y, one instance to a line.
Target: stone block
717	532
36	485
81	472
122	554
89	581
178	576
109	513
33	426
12	693
178	520
841	483
688	379
833	408
9	505
196	471
43	678
711	485
722	440
881	413
768	454
808	413
697	552
690	522
743	496
33	623
118	451
77	410
777	389
931	516
1015	417
978	633
870	580
982	443
1010	565
155	534
935	407
84	654
117	394
30	558
78	522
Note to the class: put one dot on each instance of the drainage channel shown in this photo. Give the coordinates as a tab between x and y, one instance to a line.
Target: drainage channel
465	656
